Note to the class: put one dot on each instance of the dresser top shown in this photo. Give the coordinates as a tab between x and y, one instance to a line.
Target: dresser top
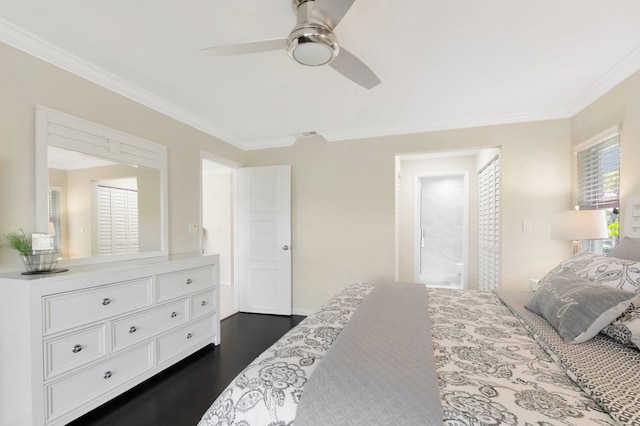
150	266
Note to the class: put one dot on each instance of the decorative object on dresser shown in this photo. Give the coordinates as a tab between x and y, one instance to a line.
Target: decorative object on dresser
71	342
36	252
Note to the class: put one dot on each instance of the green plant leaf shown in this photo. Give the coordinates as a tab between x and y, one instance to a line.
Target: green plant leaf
19	242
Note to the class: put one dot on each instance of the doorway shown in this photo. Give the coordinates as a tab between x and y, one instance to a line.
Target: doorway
465	162
219	183
441	218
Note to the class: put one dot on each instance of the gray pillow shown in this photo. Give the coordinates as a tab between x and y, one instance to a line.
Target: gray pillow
577	308
628	249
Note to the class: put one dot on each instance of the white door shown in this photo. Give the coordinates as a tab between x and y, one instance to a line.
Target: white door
264	207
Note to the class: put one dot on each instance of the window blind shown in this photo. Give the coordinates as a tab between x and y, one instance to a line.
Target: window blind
489	226
599	175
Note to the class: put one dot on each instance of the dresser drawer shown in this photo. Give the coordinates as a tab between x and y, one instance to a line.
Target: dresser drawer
73	350
63	311
203	303
182	283
136	328
66	394
177	341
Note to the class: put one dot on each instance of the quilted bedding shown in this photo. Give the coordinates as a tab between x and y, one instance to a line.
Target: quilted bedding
490	369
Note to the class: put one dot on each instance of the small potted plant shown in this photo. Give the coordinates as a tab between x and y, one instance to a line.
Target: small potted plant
34	261
19	242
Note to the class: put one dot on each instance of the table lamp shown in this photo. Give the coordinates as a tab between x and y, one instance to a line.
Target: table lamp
579	225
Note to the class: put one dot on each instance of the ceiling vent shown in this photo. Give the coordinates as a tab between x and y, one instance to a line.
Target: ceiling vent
308	134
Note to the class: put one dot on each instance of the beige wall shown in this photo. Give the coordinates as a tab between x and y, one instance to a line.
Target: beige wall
619	106
26	82
344	202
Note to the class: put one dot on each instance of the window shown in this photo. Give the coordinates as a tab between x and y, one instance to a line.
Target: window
598	167
54	216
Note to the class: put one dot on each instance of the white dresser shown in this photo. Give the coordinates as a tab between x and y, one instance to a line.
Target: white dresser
71	341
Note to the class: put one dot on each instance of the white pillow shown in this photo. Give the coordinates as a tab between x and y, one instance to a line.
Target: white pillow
604	270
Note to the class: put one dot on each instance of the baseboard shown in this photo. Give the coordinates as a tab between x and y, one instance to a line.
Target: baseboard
303	312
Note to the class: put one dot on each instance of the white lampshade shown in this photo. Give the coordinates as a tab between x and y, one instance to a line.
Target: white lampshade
579	225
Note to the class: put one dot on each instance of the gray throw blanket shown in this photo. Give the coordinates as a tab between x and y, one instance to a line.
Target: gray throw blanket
380	370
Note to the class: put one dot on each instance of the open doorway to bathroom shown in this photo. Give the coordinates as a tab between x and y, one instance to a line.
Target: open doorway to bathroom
441	228
219	179
452	188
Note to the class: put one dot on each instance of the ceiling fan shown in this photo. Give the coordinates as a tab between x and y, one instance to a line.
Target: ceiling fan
312	41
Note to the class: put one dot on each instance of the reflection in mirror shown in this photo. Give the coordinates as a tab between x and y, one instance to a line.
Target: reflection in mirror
102	193
98	207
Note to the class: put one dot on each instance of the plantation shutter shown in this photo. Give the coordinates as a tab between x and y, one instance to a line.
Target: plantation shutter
489	226
117	220
599	175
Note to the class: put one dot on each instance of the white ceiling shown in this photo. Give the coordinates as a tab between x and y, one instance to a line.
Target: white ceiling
443	64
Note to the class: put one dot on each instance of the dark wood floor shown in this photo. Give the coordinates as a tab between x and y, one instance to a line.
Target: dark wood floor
181	394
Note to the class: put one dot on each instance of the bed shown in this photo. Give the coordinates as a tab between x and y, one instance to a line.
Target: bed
438	356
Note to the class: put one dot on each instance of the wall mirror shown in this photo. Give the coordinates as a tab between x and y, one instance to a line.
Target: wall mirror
101	193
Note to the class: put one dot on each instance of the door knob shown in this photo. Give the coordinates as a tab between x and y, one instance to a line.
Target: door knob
285	248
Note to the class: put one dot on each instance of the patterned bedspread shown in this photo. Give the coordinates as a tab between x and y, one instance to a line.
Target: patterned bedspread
490	370
268	390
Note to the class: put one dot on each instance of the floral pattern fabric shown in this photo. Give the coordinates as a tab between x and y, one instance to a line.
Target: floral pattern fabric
603	270
490	370
268	390
606	370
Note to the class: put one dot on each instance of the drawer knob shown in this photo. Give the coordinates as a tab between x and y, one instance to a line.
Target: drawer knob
189	336
107	374
204	303
132	329
174	314
106	301
189	281
76	349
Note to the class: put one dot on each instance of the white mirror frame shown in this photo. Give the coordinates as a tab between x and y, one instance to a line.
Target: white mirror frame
54	128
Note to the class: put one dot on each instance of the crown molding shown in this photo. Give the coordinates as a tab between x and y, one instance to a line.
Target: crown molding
617	74
41	49
257	144
403	129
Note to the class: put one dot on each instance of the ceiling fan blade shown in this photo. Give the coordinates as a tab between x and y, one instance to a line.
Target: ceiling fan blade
245	48
330	12
354	69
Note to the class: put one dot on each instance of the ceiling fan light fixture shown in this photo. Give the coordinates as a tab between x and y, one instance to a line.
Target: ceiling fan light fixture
312	46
